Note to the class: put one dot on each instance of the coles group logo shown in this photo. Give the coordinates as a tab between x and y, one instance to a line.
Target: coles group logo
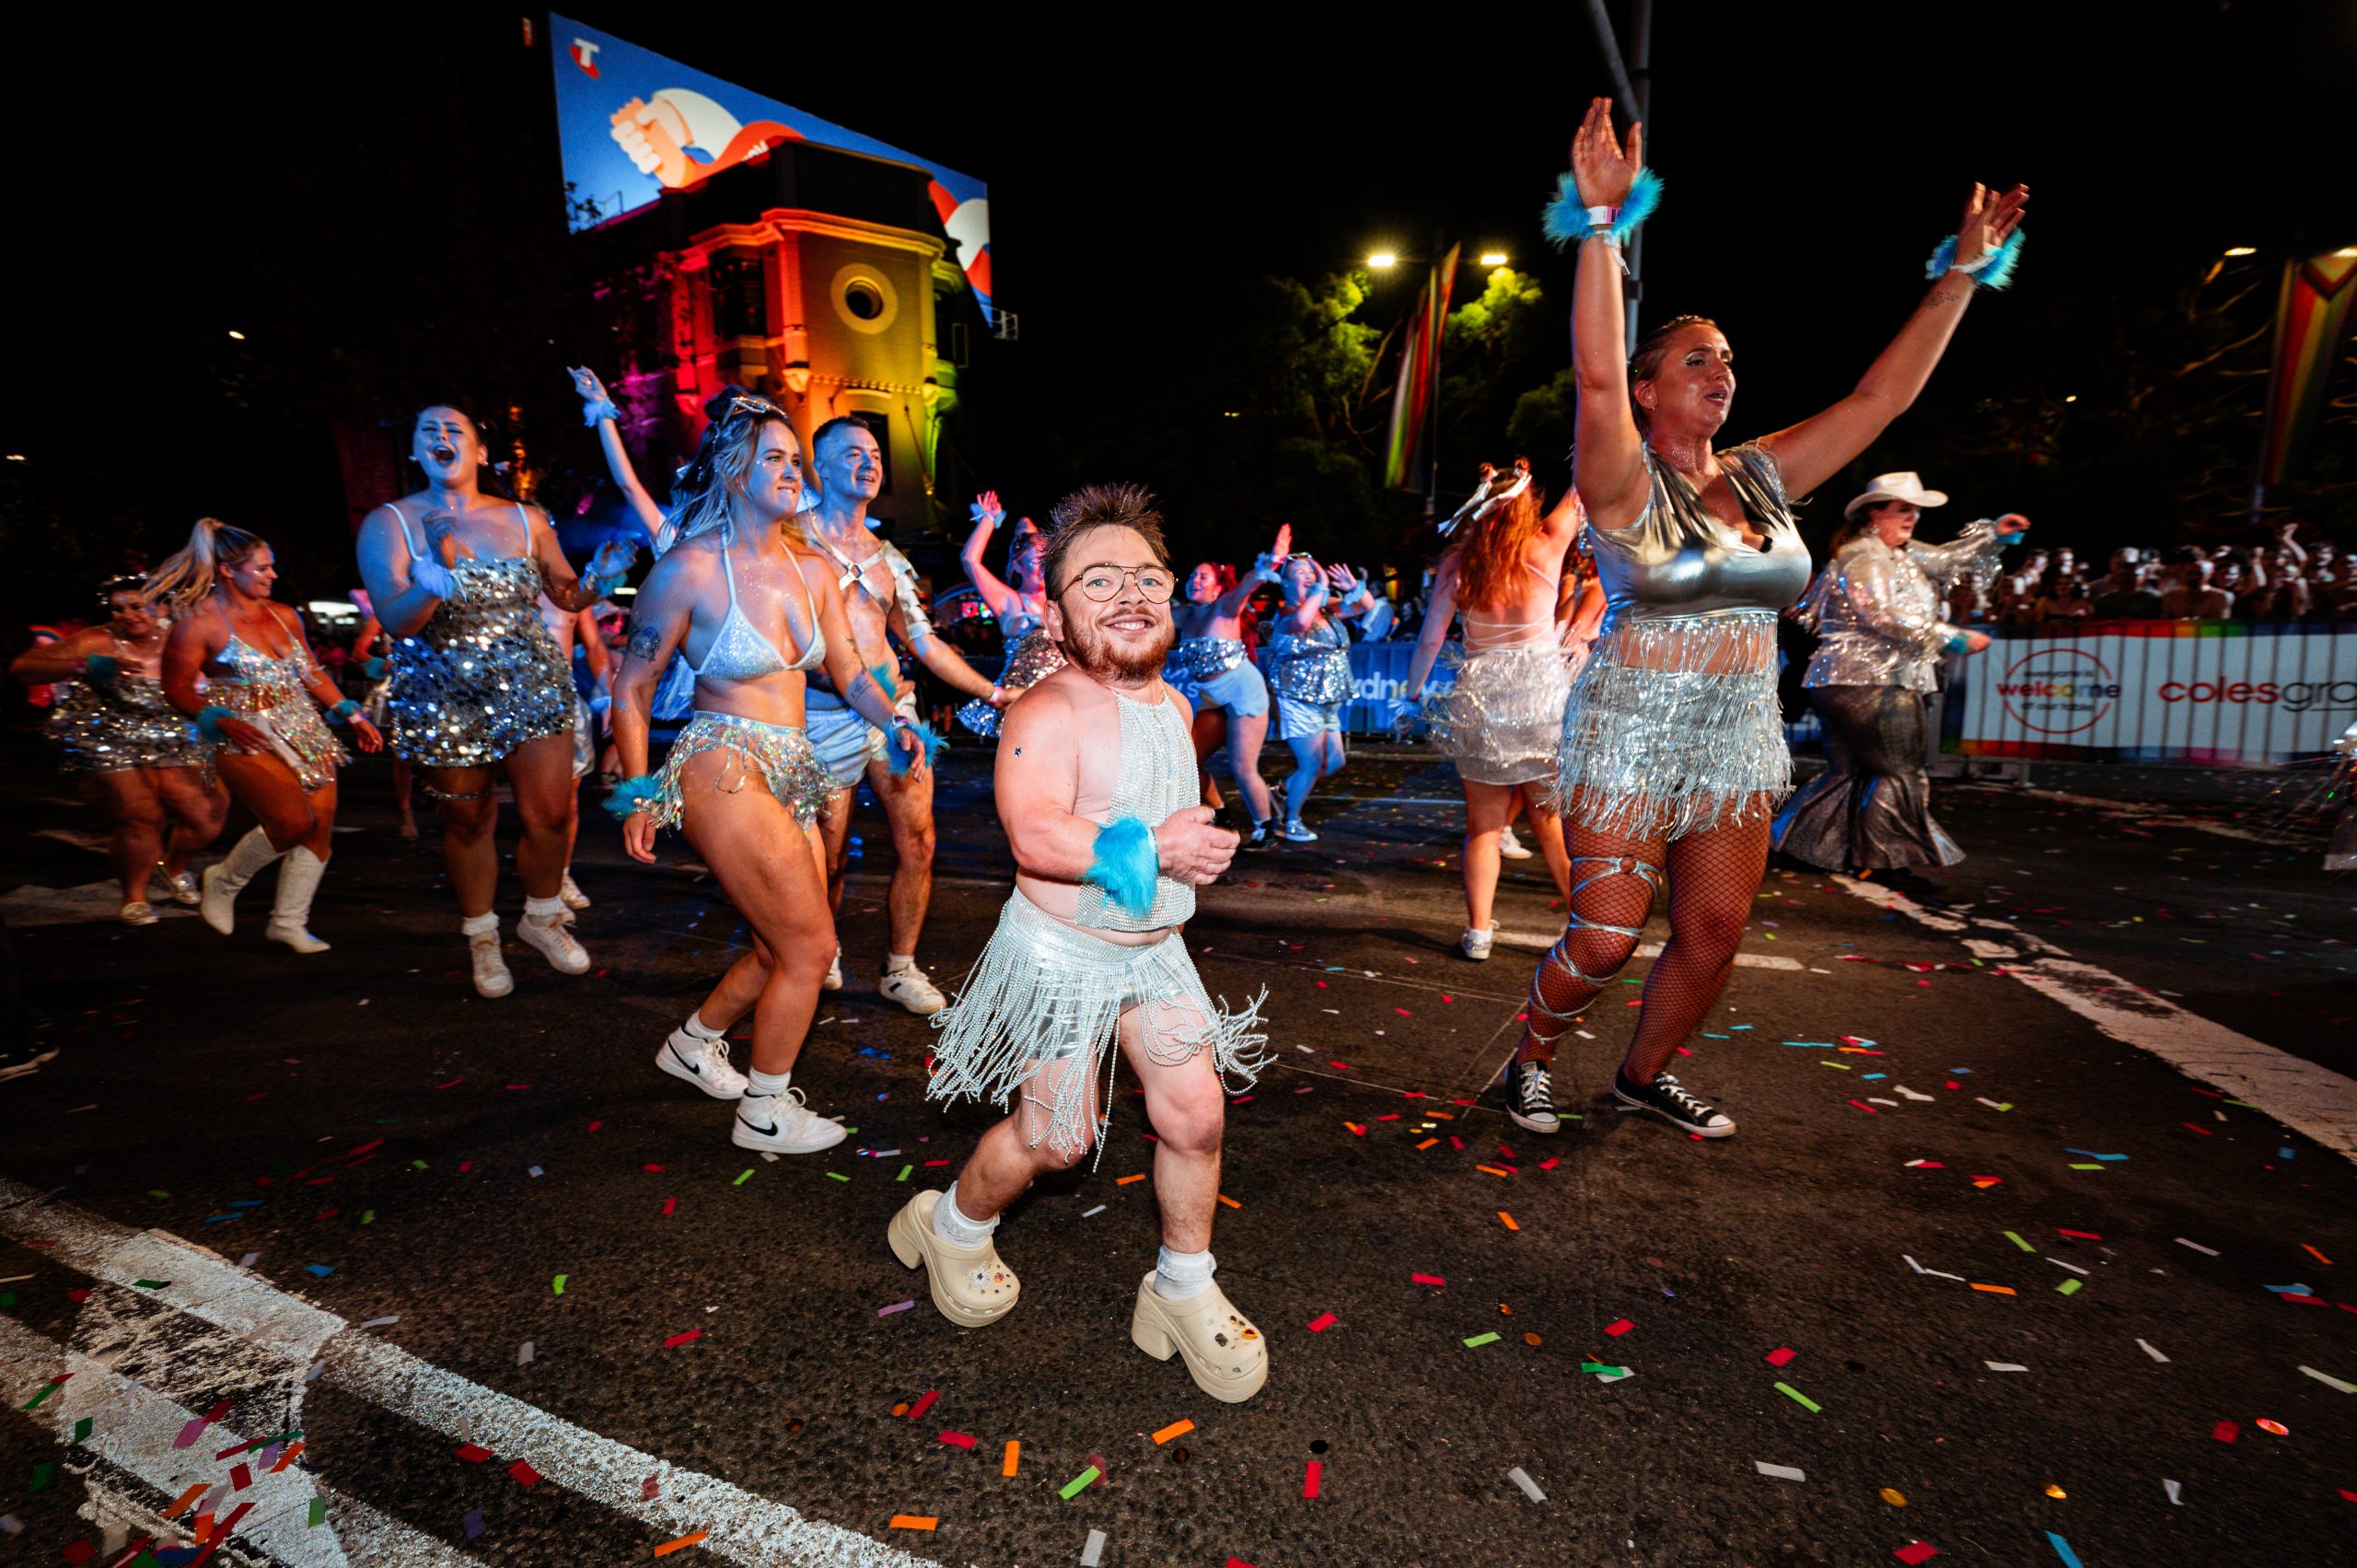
2059	691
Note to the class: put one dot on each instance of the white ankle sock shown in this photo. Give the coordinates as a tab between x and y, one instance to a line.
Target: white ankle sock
484	924
1182	1276
698	1029
544	910
758	1084
950	1223
898	961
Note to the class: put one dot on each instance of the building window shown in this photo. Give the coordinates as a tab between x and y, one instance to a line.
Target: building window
862	299
865	298
735	282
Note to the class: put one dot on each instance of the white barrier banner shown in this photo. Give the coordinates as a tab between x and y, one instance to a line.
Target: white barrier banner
2160	690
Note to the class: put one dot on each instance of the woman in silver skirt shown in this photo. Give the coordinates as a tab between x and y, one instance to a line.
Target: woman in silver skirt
131	753
1213	668
1309	670
1877	612
1501	721
1673	749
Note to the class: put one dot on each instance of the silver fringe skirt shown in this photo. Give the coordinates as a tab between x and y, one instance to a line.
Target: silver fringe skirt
1501	722
779	754
1044	993
1674	729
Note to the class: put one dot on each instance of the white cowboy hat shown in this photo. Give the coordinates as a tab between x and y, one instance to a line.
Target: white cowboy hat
1906	487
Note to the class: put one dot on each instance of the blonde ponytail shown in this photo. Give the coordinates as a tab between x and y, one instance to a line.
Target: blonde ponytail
189	575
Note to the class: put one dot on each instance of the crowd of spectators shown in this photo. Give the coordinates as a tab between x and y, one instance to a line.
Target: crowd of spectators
2283	580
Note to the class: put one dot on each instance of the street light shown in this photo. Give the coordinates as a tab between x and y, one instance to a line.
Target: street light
1383	261
1494	258
2242	250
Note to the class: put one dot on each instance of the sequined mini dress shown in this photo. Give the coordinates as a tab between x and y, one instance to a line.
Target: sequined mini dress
272	693
482	677
118	724
1674	726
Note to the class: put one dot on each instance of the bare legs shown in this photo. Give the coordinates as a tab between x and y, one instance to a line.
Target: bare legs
1243	735
907	799
781	896
1211	734
540	773
197	814
135	825
290	819
1315	757
740	987
404	783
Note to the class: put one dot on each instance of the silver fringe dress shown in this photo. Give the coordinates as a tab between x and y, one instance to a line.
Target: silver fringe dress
1502	719
1046	991
1877	613
272	694
114	726
482	677
1674	727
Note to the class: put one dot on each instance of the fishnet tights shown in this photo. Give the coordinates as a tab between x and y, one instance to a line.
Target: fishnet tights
1712	878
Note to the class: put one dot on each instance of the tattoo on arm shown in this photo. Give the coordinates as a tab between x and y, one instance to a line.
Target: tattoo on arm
646	641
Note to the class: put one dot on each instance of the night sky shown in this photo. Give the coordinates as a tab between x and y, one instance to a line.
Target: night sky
196	180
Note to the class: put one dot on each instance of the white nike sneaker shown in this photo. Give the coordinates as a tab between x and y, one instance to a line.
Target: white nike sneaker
1510	846
912	990
782	1124
704	1063
491	977
575	899
556	943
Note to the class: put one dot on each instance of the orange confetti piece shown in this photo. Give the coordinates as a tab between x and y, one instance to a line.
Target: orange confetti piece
1493	1170
681	1544
1124	1182
1356	1130
1508	1220
914	1522
1998	1290
1176	1429
180	1504
1428	1143
1013	1452
287	1457
1229	1201
2317	1255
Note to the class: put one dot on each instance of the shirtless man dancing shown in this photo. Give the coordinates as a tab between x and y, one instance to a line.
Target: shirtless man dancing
1096	786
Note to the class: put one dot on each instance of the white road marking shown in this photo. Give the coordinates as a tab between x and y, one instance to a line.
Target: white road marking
280	1332
2310	1099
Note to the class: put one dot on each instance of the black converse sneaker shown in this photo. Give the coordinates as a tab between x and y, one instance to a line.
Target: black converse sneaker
1667	1099
1530	1098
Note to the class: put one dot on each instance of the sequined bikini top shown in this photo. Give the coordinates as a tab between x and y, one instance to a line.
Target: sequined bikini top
265	679
1679	560
740	652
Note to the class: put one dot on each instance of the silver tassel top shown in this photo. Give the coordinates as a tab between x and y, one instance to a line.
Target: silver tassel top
1878	609
1676	560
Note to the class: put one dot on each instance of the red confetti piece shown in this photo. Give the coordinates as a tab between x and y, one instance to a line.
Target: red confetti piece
654	1169
676	1340
2191	1128
2226	1432
924	1404
957	1439
1403	1012
240	1477
2080	1234
1916	1551
1620	1328
1322	1322
1779	1355
473	1453
670	1204
1341	1066
1548	1164
525	1476
1428	1279
1861	1105
593	1126
1309	1482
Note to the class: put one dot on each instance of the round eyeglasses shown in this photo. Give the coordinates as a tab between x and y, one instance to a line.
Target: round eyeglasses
1102	582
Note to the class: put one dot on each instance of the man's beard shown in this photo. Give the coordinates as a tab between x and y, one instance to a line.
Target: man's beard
1098	655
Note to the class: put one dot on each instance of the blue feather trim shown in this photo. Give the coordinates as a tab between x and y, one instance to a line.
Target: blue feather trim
897	756
1126	863
888	676
1997	275
208	721
631	796
1564	219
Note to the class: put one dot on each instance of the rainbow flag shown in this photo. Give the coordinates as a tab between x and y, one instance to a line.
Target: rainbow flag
2311	323
1419	374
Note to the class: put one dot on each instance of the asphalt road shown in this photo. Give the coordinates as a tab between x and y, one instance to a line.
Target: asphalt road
411	1171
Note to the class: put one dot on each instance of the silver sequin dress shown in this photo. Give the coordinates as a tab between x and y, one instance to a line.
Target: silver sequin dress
272	694
111	727
1674	726
482	677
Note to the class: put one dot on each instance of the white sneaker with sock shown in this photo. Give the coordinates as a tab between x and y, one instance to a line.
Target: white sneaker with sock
782	1124
227	879
907	984
575	899
701	1059
491	977
1510	846
290	912
543	927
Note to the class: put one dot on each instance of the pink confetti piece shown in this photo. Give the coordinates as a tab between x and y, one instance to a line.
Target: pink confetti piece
1779	1355
1322	1322
957	1439
896	1307
1618	1328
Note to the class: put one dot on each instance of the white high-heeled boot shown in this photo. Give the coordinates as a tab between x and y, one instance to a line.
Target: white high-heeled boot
228	877
290	914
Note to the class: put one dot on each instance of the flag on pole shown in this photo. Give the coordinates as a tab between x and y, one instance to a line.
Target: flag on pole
2311	323
1419	376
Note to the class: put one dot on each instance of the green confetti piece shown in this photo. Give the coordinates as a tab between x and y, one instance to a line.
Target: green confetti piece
367	1216
1479	1340
1598	1367
1800	1398
417	1164
2005	1105
81	1429
742	1179
157	1193
837	1176
319	1512
1078	1483
2070	1287
2245	1105
149	1285
1836	1066
7	1299
41	1473
2087	1168
2017	1242
557	1286
35	1402
904	1173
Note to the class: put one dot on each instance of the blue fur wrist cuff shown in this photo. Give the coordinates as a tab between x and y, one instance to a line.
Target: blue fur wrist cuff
631	796
898	758
1564	219
1958	644
1126	863
102	667
342	711
374	669
208	721
1996	274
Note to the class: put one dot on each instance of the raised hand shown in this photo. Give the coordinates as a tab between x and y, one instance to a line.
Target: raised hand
1282	548
988	510
1603	165
1340	577
1989	219
586	382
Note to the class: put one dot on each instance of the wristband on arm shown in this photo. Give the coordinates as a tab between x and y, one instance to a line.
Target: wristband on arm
631	796
208	720
1127	863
